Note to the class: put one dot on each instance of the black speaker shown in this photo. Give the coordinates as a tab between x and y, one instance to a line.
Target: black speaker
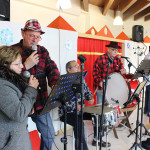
137	33
4	10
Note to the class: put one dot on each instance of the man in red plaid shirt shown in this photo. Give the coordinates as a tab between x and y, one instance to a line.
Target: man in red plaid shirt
100	67
37	61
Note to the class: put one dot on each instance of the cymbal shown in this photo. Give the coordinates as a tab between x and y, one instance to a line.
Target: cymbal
97	109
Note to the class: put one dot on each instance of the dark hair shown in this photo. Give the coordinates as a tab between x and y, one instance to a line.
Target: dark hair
8	55
68	65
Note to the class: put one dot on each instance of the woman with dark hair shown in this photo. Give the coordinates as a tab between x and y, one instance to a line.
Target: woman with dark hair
16	101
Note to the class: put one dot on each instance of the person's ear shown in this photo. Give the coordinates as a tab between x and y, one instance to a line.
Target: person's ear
69	70
23	34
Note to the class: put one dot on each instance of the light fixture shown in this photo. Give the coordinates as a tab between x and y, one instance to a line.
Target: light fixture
118	19
63	4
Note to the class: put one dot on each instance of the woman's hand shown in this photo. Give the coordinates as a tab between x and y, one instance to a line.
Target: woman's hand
32	111
33	82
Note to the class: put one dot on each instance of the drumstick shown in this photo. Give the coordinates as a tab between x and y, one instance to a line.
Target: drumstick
95	91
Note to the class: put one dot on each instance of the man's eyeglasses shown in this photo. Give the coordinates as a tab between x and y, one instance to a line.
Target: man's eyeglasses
76	66
114	49
35	37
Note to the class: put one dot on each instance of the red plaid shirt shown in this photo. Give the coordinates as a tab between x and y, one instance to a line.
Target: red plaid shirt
46	68
100	68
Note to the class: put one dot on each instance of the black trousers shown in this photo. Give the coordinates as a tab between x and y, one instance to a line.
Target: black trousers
71	120
88	116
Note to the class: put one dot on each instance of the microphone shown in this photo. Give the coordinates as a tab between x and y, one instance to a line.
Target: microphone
123	57
34	47
26	74
81	58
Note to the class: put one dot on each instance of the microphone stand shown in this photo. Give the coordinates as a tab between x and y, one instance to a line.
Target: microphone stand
103	101
82	60
129	64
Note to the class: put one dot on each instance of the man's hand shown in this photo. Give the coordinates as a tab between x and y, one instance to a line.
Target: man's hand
91	100
32	60
123	71
101	84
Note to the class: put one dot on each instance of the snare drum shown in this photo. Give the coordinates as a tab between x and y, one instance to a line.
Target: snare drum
110	118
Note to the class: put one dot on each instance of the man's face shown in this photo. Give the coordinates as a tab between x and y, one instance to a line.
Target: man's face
30	38
74	67
112	51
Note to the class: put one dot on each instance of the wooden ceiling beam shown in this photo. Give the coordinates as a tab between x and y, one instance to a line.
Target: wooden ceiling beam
147	18
142	13
135	8
86	5
125	4
107	6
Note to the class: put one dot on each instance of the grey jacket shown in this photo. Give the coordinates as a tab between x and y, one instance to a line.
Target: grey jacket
14	110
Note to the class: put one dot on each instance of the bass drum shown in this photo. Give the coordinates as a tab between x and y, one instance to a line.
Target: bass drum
120	88
117	91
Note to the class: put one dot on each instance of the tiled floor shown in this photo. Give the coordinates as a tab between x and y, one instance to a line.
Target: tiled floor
123	143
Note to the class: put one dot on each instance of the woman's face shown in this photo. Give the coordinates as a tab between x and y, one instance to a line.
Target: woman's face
16	65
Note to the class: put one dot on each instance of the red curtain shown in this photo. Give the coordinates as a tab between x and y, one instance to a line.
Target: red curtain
91	49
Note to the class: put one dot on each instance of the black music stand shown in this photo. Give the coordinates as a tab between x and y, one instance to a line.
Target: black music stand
62	93
136	96
142	71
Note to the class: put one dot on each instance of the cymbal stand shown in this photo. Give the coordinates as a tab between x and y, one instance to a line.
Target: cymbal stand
137	126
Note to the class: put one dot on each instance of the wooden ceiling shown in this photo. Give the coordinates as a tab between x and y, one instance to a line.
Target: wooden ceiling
128	8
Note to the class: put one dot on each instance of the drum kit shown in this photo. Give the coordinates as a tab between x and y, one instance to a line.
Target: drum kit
118	91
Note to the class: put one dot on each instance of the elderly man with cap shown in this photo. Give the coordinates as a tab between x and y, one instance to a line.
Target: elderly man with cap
100	67
37	61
